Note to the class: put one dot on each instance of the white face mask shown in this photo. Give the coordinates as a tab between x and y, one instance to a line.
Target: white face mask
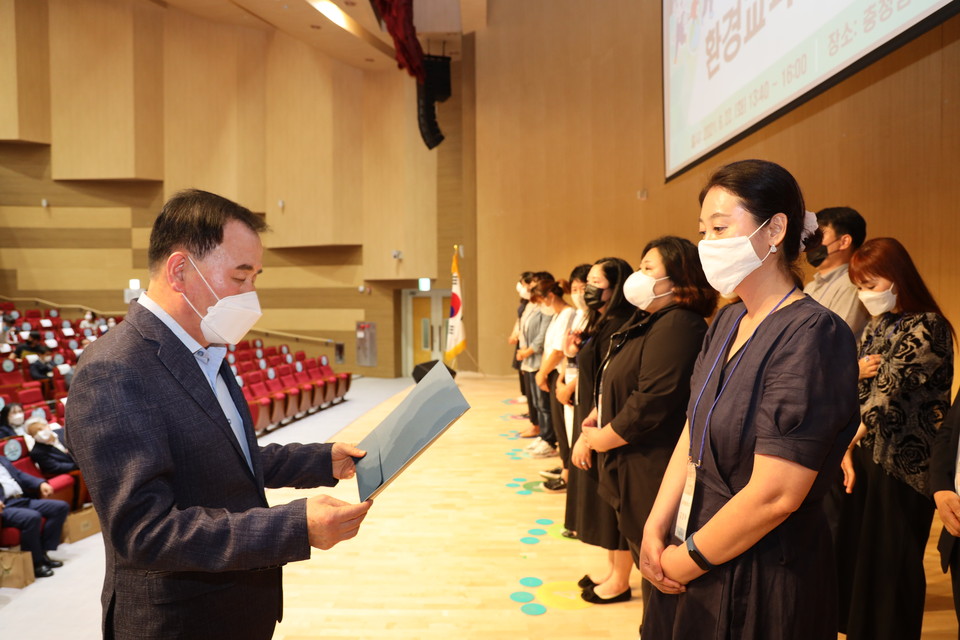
726	262
16	419
878	302
522	290
578	301
231	318
638	289
45	436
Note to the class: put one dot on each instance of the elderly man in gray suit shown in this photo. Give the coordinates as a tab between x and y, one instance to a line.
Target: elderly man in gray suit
165	441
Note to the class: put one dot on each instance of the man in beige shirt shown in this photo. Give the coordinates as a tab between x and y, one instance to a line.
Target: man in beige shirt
844	230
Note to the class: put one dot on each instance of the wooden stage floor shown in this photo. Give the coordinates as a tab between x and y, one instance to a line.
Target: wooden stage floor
465	545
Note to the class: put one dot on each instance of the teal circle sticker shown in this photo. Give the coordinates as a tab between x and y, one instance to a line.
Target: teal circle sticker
531	582
533	609
521	596
537	532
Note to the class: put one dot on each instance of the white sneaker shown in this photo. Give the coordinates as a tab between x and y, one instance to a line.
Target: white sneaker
533	444
543	450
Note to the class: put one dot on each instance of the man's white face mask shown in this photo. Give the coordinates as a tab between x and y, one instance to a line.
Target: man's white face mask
230	318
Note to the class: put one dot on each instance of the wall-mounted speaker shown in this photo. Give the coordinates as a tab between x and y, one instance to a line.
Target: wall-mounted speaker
436	88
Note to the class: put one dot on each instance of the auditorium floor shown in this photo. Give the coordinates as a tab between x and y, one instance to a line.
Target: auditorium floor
463	545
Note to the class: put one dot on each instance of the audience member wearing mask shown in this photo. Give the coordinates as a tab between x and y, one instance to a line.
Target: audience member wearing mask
644	388
533	333
19	510
11	420
49	452
90	321
561	318
906	369
737	543
842	231
524	285
593	520
564	397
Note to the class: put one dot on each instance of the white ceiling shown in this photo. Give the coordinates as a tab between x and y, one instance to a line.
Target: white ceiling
439	23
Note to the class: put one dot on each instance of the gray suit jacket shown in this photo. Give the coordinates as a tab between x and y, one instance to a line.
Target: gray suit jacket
192	548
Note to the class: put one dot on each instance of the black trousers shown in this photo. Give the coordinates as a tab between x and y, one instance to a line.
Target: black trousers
556	415
888	582
27	515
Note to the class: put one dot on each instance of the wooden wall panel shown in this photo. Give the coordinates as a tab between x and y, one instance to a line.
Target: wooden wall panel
24	71
400	182
105	78
213	97
569	130
310	97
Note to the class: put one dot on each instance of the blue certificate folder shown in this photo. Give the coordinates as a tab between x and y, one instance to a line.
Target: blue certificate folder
427	411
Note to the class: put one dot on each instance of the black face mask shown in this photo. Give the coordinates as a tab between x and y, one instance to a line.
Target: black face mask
816	256
593	297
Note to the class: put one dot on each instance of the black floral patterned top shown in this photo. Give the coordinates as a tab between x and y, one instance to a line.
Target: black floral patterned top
904	404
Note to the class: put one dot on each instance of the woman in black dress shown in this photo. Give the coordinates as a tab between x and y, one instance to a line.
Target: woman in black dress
906	369
594	521
645	384
737	542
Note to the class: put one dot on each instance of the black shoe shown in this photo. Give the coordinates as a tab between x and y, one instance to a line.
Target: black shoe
589	595
42	571
53	564
550	474
566	533
555	485
585	582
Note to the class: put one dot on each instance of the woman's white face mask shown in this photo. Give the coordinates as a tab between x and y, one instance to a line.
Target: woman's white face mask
230	318
638	289
522	291
878	302
727	261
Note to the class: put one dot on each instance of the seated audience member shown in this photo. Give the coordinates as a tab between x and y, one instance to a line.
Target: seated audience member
48	451
27	514
32	345
11	421
90	321
42	369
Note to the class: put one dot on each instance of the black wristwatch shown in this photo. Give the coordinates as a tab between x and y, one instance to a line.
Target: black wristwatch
702	562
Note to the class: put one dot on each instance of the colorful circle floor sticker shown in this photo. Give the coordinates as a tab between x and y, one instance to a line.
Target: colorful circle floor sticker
541	596
525	487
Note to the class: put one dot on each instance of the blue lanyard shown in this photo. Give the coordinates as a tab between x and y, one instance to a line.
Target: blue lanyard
721	354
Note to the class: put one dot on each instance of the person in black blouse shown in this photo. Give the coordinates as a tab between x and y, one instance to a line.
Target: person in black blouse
906	370
594	521
645	384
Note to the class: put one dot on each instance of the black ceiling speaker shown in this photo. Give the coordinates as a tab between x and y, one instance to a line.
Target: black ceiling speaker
436	88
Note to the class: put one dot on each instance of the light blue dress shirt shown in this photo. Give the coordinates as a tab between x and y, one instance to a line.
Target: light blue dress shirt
209	359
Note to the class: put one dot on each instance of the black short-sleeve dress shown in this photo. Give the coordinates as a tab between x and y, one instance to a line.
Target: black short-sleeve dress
791	392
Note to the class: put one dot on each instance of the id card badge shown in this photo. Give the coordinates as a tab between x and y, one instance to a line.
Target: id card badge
686	502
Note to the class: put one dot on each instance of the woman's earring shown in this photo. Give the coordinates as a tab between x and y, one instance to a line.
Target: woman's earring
773	248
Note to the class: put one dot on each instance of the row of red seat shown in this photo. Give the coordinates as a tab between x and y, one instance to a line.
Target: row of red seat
276	395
